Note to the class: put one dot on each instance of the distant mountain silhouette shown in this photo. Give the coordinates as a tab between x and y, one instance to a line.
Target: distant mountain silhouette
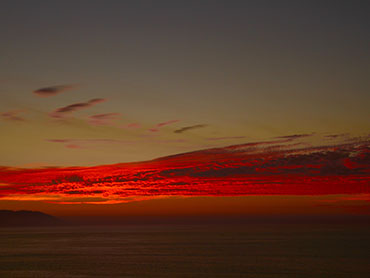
27	218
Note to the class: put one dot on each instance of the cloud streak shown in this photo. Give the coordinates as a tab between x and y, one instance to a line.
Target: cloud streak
187	128
294	136
53	90
12	115
225	138
158	126
84	143
103	119
61	112
131	125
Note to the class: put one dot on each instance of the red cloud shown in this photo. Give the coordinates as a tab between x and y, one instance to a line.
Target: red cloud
157	126
12	115
261	168
103	119
131	125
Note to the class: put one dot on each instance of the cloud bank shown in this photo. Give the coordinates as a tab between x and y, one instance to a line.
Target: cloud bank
280	167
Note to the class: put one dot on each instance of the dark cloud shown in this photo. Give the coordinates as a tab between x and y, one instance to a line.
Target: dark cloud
106	116
213	172
294	136
334	136
186	128
53	90
60	112
338	160
12	115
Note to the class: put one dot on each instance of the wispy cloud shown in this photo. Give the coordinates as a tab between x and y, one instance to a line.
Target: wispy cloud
225	138
103	119
294	136
167	123
12	115
61	112
187	128
132	125
53	90
158	126
334	136
93	140
73	146
84	143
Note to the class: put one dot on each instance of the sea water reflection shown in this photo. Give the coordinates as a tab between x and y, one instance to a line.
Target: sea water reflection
186	251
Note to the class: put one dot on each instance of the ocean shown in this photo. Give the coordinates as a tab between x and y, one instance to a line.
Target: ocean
255	250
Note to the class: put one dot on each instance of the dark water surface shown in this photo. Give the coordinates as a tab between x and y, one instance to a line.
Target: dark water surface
186	251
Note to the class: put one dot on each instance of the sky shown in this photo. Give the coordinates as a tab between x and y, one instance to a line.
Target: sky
85	85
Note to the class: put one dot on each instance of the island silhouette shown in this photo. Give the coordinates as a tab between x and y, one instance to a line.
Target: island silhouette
10	218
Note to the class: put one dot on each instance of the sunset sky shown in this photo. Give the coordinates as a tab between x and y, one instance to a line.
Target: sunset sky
185	107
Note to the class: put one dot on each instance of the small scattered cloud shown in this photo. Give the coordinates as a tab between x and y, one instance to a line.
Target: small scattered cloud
187	128
53	90
84	143
158	126
171	141
103	119
131	125
61	112
225	138
12	115
167	123
58	140
73	146
334	136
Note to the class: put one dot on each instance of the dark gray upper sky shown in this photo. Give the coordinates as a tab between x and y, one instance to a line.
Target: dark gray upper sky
241	69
